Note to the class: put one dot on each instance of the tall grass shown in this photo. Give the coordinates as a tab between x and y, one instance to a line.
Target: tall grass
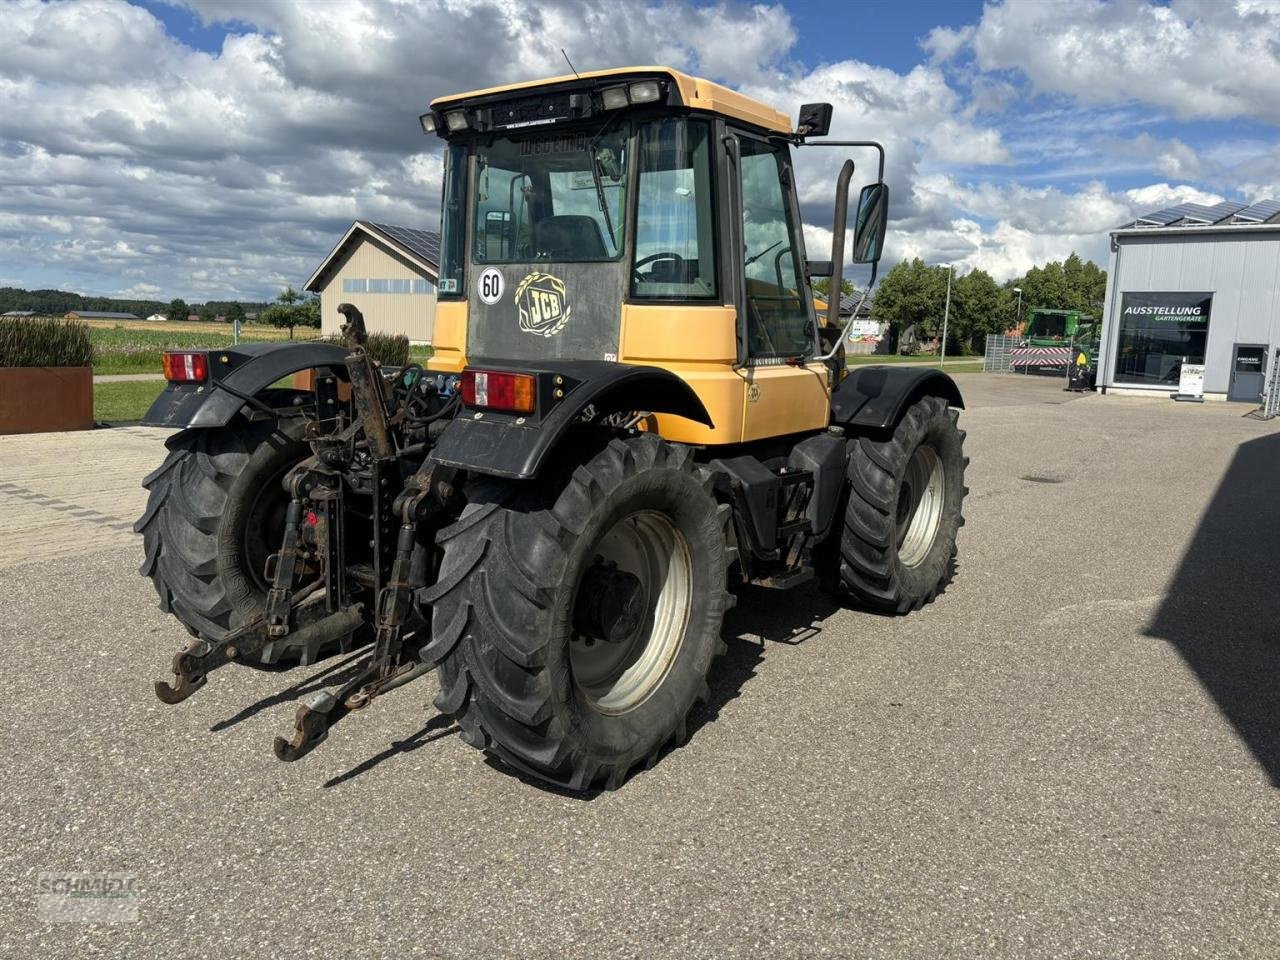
389	349
42	342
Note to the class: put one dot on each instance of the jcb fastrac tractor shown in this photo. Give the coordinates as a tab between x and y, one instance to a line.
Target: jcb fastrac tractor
632	409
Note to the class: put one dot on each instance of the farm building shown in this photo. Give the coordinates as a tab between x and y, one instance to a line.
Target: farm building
1196	285
389	272
99	315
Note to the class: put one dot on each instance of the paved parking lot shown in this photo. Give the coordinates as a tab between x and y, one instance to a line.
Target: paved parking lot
1074	752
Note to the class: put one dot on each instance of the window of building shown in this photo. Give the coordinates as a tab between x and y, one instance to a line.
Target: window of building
1159	332
675	243
356	285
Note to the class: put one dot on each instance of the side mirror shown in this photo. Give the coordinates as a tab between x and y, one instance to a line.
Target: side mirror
871	223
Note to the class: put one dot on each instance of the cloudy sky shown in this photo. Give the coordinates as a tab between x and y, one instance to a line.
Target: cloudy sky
211	149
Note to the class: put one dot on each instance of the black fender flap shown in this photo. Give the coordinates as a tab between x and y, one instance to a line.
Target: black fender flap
245	369
506	445
875	397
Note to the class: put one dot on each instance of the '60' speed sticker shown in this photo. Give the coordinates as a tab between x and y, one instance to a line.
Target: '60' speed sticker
491	285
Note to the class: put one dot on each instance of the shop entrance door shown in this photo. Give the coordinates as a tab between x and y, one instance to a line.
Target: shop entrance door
1248	372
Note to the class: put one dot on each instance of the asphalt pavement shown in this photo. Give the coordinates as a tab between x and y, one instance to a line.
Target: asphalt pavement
1074	752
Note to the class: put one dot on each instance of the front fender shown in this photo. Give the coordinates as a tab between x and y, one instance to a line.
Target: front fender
504	445
875	397
246	369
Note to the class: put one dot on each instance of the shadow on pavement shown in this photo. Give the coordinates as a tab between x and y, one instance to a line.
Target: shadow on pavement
332	675
1222	609
772	616
436	728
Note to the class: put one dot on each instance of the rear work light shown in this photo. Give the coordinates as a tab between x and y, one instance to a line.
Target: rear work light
496	390
186	367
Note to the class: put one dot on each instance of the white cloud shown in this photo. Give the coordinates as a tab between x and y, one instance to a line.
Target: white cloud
1193	58
153	165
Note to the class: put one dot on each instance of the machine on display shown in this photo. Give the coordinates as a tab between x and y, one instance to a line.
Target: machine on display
632	410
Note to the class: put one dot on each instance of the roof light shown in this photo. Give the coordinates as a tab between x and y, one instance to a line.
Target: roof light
428	122
456	120
646	91
614	97
497	390
186	367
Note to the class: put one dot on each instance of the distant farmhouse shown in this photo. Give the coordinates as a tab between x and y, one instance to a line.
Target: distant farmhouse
389	272
99	315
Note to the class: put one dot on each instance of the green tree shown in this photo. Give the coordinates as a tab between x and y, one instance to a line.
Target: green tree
1072	284
822	284
293	309
977	309
234	314
177	310
912	294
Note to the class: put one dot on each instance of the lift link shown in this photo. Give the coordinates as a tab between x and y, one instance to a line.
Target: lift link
423	496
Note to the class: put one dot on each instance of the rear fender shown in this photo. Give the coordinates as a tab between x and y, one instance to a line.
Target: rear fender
507	445
247	369
874	398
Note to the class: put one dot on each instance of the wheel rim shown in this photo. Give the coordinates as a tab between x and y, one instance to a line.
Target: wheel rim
920	500
265	526
618	676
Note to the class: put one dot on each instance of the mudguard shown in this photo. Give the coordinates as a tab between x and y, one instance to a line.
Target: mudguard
874	398
245	369
506	445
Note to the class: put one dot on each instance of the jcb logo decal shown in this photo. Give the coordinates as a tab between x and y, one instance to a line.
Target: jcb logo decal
540	298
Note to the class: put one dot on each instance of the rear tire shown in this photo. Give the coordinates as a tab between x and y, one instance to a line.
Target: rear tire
214	513
506	615
897	543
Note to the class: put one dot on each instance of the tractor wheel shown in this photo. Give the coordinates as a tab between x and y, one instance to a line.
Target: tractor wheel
578	635
905	494
214	514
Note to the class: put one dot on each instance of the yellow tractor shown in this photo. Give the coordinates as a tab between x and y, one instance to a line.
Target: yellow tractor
632	410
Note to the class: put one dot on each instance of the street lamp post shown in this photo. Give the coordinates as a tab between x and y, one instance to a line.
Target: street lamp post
946	315
1017	319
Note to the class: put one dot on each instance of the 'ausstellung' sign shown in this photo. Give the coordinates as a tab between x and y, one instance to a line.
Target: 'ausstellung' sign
1166	307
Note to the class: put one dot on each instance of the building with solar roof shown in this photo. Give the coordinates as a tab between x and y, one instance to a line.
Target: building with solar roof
388	272
1193	284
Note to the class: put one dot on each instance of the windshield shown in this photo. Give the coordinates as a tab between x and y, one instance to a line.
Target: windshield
558	197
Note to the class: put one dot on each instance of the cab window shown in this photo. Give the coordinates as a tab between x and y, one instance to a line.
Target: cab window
778	321
674	232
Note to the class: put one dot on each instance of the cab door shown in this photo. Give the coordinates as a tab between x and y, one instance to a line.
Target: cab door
786	391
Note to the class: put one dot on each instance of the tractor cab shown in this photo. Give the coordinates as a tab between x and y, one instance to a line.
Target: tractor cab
638	216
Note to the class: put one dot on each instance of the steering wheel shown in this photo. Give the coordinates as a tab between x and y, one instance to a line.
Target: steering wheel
664	255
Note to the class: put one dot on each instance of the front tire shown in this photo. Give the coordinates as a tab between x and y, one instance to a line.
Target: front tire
578	635
897	544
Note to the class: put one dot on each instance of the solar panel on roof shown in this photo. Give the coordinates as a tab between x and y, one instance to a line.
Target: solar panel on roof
1161	217
1258	212
422	242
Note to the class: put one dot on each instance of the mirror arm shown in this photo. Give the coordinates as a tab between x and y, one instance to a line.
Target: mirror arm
878	147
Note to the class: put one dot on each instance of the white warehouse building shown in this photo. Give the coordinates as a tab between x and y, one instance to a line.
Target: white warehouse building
1198	285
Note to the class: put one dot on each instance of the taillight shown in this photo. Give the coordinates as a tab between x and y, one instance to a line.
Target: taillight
497	390
186	367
